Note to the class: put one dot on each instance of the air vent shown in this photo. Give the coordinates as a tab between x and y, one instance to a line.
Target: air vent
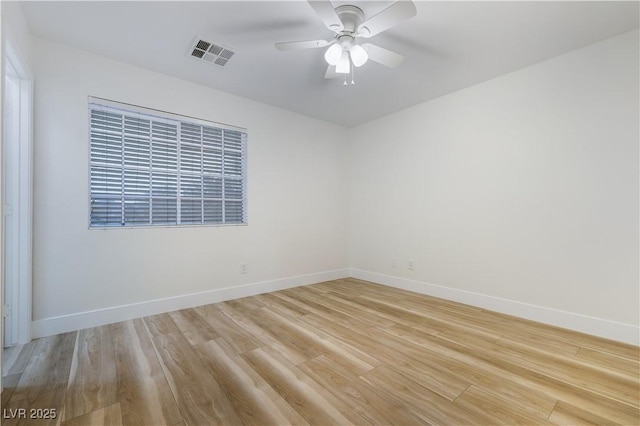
213	53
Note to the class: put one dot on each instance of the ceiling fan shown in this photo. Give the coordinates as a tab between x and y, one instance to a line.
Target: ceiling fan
349	25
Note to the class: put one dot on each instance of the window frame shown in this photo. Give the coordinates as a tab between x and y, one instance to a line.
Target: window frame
172	118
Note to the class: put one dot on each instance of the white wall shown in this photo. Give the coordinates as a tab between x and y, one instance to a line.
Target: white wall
296	199
15	29
523	188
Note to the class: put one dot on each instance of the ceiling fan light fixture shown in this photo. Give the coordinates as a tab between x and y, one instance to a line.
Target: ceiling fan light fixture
333	54
359	56
348	22
344	65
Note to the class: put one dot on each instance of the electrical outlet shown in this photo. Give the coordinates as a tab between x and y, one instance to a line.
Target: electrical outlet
411	265
394	262
243	268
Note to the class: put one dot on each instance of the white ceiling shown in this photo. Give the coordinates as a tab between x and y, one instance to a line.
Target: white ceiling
448	46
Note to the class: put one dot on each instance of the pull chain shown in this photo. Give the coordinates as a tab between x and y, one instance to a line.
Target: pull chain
353	70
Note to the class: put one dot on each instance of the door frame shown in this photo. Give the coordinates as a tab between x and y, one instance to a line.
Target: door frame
21	189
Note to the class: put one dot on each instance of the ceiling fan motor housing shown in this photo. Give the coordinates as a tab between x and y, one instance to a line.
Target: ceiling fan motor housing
351	17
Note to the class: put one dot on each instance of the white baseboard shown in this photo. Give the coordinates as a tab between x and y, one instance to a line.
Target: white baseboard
621	332
73	322
586	324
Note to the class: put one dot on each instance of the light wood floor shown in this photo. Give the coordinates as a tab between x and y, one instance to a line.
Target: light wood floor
341	352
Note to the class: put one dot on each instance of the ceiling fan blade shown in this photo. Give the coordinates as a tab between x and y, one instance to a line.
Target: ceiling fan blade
382	55
327	13
389	17
331	72
298	45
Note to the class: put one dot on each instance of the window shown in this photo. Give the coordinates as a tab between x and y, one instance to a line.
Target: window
155	168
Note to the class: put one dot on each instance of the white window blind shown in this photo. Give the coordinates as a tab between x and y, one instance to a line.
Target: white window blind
154	168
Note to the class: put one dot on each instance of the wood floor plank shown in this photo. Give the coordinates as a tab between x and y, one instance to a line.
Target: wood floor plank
412	359
546	344
143	389
161	324
357	339
415	316
609	361
253	399
282	306
366	287
535	402
370	316
402	355
9	357
345	307
198	394
46	373
608	383
372	406
15	359
493	409
317	343
193	326
526	330
618	349
569	415
292	341
246	303
597	366
560	368
508	369
312	306
306	398
9	384
108	416
93	380
345	355
340	350
327	285
432	407
268	334
232	332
